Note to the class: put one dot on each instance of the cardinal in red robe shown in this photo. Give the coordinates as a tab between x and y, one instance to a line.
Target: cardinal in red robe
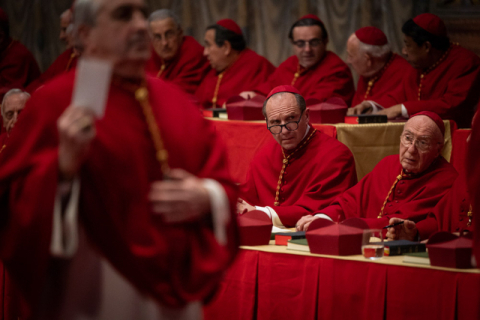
445	78
18	67
299	172
314	71
187	69
405	189
121	211
64	63
235	68
380	69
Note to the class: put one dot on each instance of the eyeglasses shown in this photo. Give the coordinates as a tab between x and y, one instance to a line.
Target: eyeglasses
290	126
422	144
312	43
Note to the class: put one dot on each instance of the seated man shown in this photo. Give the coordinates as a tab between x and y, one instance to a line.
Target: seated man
380	69
175	57
300	172
67	60
17	65
314	71
235	68
453	213
12	104
445	79
406	189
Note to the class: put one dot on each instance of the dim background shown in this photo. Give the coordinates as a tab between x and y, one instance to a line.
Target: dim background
265	23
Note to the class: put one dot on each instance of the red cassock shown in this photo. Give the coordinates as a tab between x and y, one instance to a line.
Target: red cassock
451	89
473	180
451	213
248	71
412	198
171	263
384	81
187	69
314	176
17	67
331	77
64	63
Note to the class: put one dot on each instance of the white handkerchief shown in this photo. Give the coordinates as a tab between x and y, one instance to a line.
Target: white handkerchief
92	82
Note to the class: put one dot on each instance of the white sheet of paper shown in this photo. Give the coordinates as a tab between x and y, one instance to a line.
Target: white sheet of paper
92	82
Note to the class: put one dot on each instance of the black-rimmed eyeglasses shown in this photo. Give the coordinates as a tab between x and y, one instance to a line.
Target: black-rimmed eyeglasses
290	126
312	43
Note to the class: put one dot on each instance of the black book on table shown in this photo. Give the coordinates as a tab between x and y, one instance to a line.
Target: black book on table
399	247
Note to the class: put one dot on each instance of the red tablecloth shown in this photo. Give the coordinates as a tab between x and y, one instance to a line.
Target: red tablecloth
265	285
244	138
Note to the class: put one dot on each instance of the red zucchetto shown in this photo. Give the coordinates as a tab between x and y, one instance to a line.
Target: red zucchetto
231	25
372	36
435	117
283	88
431	23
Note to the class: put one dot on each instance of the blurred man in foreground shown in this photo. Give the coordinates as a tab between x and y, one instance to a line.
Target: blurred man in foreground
109	221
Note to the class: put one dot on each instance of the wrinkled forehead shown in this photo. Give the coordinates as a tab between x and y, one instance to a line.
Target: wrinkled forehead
422	126
281	103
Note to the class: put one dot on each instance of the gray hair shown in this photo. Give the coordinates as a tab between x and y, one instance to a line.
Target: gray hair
85	13
164	14
300	102
375	51
10	93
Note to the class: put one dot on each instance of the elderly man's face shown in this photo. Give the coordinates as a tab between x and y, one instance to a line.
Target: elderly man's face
357	59
282	108
308	45
424	134
120	35
14	104
167	38
416	55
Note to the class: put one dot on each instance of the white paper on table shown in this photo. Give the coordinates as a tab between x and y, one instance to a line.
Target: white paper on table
92	83
277	230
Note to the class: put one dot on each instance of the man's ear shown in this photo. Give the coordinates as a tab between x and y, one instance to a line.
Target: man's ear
227	48
427	46
83	34
307	114
369	60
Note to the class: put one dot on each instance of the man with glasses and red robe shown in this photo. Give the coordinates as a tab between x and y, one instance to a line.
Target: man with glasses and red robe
314	71
298	172
405	186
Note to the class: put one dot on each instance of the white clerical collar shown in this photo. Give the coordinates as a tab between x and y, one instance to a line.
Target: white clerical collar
306	131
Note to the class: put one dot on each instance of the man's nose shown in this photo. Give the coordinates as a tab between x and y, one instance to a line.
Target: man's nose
307	47
205	51
139	21
404	51
413	148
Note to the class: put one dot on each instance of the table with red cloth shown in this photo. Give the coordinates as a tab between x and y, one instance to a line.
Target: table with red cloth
271	282
369	143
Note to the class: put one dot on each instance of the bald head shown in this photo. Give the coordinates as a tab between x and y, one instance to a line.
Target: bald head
366	59
421	143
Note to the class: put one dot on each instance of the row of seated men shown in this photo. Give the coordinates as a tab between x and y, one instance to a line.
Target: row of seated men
436	75
304	174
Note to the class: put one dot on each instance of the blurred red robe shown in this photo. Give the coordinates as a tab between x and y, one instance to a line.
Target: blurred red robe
64	63
18	67
473	180
412	198
314	176
172	264
451	89
331	77
248	71
388	80
186	70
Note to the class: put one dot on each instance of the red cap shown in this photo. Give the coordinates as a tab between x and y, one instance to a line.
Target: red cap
372	36
431	23
283	88
311	16
231	25
435	117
